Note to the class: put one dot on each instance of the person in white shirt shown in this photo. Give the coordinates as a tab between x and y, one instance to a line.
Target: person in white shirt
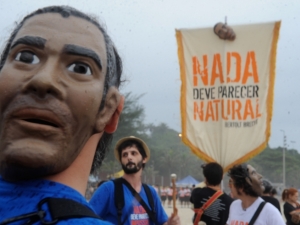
170	196
163	195
181	194
187	196
246	185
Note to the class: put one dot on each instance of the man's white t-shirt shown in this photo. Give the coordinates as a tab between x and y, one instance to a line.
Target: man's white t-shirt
268	216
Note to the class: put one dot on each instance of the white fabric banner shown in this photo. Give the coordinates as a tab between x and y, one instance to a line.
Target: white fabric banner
227	91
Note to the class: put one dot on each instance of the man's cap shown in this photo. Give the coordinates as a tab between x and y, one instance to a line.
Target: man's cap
131	138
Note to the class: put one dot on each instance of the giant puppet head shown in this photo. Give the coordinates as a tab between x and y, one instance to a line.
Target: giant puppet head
225	32
59	79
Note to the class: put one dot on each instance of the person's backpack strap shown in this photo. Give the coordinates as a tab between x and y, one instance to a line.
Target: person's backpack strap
257	212
119	198
150	213
62	208
150	198
208	203
59	208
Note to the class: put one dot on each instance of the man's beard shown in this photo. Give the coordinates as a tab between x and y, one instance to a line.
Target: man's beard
136	168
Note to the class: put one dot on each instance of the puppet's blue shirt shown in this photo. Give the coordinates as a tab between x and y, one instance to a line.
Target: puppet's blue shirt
18	198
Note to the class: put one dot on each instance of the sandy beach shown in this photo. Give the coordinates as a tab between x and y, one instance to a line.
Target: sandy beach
185	214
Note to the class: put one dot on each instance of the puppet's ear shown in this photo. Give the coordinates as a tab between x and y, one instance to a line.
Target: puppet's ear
108	118
112	125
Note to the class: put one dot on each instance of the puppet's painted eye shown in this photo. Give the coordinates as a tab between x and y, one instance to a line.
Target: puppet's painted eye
27	57
79	67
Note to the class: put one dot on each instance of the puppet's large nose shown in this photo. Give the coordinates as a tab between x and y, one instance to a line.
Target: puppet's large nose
46	82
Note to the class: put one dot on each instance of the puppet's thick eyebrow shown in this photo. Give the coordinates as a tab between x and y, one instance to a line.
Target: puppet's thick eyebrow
81	51
34	41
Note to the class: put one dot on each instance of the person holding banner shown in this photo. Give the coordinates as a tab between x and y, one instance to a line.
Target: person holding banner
217	212
249	208
140	203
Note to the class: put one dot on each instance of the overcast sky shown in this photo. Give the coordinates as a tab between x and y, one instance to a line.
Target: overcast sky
144	33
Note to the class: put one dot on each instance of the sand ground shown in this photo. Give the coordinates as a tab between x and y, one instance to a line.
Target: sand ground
185	213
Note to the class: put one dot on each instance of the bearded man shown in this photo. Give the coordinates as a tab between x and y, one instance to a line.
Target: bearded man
132	153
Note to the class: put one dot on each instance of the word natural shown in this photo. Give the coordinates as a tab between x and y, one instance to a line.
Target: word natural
229	110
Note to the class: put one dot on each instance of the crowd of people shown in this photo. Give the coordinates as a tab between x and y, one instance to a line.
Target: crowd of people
182	195
251	199
248	191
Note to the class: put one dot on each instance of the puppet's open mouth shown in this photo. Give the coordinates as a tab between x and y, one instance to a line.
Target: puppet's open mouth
42	122
38	118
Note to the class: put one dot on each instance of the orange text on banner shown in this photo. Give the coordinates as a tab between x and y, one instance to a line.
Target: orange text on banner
201	70
236	110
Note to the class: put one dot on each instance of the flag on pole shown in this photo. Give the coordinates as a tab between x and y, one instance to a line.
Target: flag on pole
227	91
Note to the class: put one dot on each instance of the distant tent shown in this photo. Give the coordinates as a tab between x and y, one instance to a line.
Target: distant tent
187	181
